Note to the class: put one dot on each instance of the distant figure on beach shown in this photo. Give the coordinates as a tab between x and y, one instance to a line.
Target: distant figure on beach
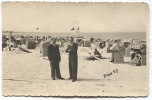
54	58
97	54
91	39
102	44
137	58
132	53
11	37
73	59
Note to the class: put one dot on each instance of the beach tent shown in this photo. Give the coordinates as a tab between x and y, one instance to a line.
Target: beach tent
92	39
44	47
135	41
22	36
109	43
139	46
108	49
37	38
18	41
11	38
7	37
4	39
126	43
21	40
80	37
114	47
127	52
30	44
80	42
97	44
142	48
119	56
49	37
118	53
144	42
87	43
67	44
60	43
4	44
117	40
101	44
75	39
128	47
143	59
98	40
127	56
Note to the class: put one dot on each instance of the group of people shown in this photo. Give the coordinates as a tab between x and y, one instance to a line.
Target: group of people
55	58
95	56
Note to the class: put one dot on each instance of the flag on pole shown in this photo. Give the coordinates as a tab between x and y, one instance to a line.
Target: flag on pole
76	32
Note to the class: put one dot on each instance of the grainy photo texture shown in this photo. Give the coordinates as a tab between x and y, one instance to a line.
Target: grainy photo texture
75	49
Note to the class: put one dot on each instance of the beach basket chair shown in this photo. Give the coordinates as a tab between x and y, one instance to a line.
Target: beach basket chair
44	48
30	44
87	43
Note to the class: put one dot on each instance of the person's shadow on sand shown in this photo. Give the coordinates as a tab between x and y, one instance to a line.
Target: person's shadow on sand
93	80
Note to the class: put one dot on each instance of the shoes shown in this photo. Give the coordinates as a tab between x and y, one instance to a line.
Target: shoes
73	80
61	78
70	78
53	78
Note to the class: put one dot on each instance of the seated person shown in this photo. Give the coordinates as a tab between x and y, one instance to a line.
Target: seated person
102	45
91	39
97	54
137	59
132	53
90	57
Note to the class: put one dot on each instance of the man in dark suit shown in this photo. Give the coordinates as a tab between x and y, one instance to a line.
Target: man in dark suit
73	59
54	58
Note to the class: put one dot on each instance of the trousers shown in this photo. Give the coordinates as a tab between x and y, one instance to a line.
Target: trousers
73	68
55	69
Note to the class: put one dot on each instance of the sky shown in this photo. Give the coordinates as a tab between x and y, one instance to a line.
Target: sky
61	17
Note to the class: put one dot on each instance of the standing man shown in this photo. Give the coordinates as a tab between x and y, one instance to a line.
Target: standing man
54	58
73	59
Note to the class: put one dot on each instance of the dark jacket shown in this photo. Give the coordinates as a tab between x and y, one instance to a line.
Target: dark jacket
72	50
54	53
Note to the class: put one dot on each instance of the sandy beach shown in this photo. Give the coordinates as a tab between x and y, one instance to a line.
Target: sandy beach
29	74
112	36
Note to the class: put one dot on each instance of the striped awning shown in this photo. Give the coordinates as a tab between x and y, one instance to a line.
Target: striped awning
139	46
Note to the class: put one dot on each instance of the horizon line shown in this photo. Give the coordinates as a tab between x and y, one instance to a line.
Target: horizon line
68	32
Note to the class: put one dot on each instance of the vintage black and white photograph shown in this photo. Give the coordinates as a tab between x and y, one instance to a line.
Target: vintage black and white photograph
75	49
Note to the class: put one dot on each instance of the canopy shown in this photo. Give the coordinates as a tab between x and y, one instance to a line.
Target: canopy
139	46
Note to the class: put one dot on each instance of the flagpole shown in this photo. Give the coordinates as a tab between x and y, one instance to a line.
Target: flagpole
76	31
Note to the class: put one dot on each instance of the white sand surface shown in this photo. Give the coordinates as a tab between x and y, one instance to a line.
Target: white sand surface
28	74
